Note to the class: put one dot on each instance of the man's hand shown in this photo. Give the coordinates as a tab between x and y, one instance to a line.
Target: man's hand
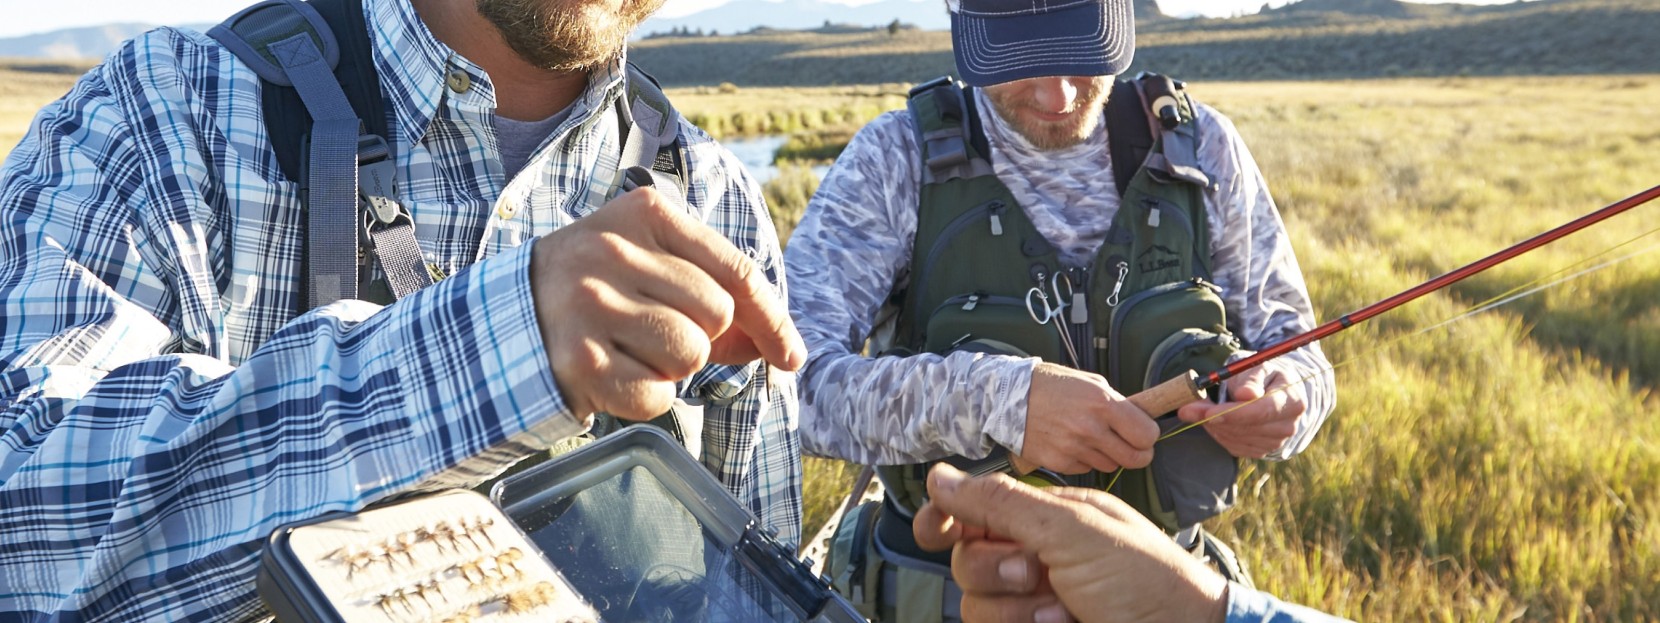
1255	429
1076	422
638	295
1025	554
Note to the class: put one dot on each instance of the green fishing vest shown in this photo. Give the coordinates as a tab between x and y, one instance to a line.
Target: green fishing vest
1141	312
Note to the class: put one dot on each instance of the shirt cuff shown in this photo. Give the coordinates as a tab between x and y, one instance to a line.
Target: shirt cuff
1008	385
474	351
1248	605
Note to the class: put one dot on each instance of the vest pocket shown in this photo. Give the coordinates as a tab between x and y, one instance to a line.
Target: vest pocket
1188	349
991	324
1144	321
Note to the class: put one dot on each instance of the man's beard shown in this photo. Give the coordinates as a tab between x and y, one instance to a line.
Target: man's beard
565	35
1047	135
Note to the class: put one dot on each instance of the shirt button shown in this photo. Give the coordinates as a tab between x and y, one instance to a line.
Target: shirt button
506	208
459	81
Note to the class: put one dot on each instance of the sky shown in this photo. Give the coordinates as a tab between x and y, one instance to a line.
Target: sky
23	17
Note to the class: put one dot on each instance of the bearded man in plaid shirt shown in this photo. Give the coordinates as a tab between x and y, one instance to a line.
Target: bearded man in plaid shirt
164	404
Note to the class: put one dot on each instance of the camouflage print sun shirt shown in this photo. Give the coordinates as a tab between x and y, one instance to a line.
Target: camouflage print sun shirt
852	251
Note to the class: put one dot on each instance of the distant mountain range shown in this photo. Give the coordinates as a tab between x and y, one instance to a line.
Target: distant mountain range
73	43
740	16
95	42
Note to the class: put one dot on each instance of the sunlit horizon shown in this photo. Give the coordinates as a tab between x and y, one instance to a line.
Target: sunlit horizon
26	18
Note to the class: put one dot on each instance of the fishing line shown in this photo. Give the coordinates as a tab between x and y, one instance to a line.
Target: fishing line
1510	296
1516	293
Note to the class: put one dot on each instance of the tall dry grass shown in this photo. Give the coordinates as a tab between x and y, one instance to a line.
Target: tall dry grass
24	88
729	110
1505	466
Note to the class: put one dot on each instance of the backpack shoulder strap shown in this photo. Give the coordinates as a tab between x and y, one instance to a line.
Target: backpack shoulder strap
1150	124
310	102
650	131
1129	136
339	31
948	131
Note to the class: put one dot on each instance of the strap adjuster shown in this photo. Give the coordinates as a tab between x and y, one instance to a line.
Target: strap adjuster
635	177
946	152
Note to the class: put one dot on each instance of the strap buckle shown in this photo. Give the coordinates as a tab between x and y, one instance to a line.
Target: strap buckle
372	222
377	186
377	180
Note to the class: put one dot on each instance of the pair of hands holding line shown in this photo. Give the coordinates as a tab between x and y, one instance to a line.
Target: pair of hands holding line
638	295
1053	555
1076	421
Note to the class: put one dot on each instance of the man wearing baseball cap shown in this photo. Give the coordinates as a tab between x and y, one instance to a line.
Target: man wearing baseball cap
984	277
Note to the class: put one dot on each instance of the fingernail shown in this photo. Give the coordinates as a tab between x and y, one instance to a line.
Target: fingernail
1013	570
945	478
1052	613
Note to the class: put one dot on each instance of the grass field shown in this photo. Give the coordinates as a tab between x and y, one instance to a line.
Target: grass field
23	90
1504	467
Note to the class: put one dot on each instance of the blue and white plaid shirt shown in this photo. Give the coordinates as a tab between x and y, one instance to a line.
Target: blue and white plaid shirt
162	409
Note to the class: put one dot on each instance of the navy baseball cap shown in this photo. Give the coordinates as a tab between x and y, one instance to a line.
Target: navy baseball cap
1005	40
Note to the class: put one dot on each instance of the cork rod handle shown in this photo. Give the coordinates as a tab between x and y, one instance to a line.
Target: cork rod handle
1155	401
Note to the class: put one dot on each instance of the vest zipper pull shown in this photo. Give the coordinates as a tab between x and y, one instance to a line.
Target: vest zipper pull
973	301
1123	271
996	218
1153	217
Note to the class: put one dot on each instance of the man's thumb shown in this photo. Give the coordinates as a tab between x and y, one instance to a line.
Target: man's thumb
998	503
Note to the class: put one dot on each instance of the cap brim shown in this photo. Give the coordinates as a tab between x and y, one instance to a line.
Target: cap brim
1089	38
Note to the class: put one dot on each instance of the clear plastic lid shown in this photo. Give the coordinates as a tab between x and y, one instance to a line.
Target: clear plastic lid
645	533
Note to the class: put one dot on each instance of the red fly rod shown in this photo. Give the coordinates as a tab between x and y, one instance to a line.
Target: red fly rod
1170	395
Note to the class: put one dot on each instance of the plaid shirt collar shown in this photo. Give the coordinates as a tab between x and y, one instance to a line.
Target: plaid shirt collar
410	58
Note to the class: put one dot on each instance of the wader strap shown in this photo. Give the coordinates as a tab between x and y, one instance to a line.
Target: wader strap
918	596
386	222
400	257
650	130
916	584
